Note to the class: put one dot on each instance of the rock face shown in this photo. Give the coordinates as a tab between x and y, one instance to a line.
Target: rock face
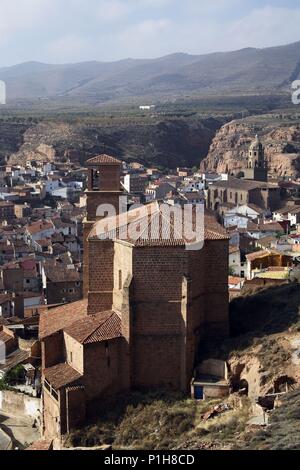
169	143
11	138
229	148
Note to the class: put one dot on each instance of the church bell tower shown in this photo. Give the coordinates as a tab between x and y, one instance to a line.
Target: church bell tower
257	167
104	187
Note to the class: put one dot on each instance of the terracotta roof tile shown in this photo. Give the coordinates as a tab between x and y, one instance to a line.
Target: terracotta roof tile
60	273
151	226
37	227
233	280
243	185
261	254
61	375
61	317
103	160
95	328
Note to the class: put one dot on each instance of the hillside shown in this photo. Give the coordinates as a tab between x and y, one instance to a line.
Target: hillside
263	351
161	141
173	76
280	134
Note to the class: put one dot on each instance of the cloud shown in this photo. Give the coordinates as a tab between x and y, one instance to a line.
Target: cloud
68	48
20	15
71	30
113	10
265	27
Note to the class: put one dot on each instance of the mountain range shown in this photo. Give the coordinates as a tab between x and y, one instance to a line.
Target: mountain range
248	70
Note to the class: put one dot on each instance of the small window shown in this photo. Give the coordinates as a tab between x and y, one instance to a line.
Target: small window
120	280
71	291
71	356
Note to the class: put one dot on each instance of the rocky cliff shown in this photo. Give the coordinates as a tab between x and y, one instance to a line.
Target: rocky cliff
279	134
167	143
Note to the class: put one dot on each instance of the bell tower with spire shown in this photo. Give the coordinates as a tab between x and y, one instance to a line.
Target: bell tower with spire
257	167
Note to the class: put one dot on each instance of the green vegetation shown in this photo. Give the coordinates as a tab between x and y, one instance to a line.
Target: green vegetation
13	377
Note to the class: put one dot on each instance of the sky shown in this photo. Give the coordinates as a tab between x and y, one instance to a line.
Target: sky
66	31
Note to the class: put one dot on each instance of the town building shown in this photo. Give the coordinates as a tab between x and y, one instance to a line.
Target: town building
224	195
7	211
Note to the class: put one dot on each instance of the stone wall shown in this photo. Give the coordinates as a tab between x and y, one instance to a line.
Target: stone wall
20	405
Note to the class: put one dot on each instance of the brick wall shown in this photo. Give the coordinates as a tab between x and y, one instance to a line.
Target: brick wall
97	198
101	277
52	350
75	407
102	367
158	322
216	287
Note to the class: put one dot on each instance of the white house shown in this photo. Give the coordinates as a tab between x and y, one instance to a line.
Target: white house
147	107
52	185
39	231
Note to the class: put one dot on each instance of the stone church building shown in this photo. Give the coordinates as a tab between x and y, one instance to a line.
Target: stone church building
251	188
147	306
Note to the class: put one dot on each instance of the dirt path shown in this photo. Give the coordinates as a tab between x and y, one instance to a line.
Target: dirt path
19	429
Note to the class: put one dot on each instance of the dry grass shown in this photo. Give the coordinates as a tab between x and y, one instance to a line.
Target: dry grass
162	421
284	430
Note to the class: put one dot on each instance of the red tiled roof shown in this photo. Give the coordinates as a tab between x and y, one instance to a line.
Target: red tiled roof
234	280
61	375
61	317
37	227
103	160
152	220
241	184
95	328
60	273
258	254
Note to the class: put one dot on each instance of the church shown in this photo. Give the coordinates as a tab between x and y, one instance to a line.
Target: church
148	305
251	188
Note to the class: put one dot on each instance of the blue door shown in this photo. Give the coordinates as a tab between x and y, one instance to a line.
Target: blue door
198	392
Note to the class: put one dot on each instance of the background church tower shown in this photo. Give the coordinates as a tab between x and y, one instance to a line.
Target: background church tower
104	187
257	167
